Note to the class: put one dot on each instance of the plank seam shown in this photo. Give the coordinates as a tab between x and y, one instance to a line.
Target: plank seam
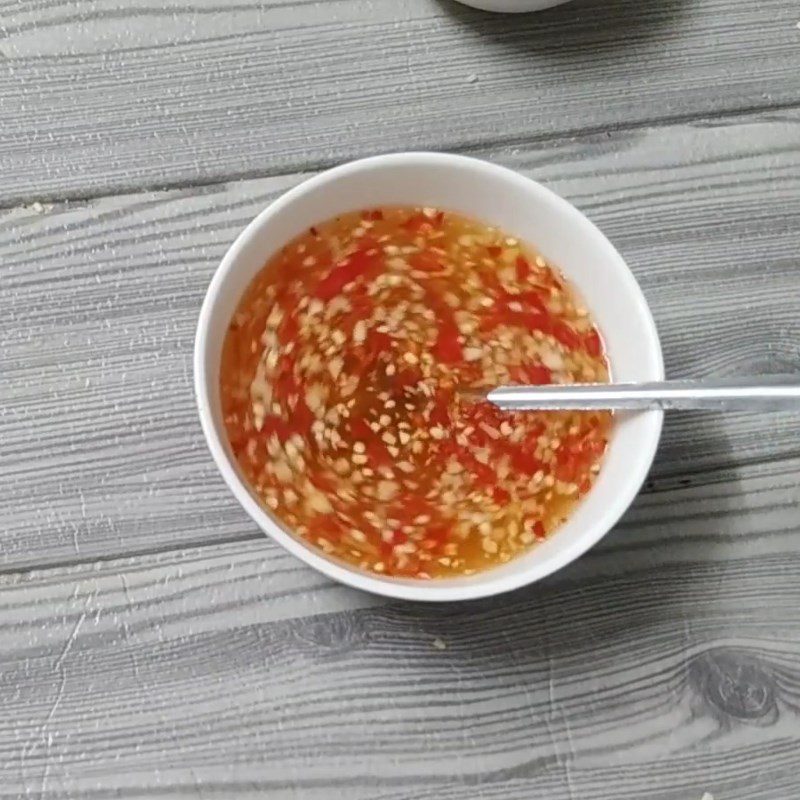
465	147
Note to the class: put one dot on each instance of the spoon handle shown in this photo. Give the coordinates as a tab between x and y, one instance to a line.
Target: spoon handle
762	393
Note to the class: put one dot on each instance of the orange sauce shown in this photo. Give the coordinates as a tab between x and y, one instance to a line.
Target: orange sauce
338	384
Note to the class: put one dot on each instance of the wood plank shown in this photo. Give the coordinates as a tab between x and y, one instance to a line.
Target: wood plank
101	452
100	96
662	671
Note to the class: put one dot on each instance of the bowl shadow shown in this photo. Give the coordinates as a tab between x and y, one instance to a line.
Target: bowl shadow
594	31
624	600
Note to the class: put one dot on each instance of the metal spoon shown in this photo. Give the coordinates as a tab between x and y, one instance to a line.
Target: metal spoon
762	393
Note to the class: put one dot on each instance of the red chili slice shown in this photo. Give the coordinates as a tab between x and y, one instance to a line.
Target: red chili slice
359	429
490	322
524	461
566	467
238	438
377	453
414	222
435	538
447	348
564	334
325	482
500	496
483	474
494	251
534	374
530	320
288	330
409	506
535	430
285	381
327	526
523	268
387	551
345	272
417	222
398	537
538	374
440	413
361	303
492	282
536	322
592	343
405	377
425	262
531	298
302	418
378	343
273	424
410	569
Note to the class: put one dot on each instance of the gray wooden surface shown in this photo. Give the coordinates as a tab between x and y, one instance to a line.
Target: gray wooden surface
152	643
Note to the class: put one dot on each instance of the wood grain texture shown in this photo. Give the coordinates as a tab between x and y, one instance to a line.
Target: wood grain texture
194	674
153	644
101	452
100	96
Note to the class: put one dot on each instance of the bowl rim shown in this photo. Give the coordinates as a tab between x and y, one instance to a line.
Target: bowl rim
451	589
512	6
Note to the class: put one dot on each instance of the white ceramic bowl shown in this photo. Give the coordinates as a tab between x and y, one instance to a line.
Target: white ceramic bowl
512	6
520	207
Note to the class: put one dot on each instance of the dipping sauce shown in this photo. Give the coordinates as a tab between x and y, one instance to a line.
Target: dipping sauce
338	385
